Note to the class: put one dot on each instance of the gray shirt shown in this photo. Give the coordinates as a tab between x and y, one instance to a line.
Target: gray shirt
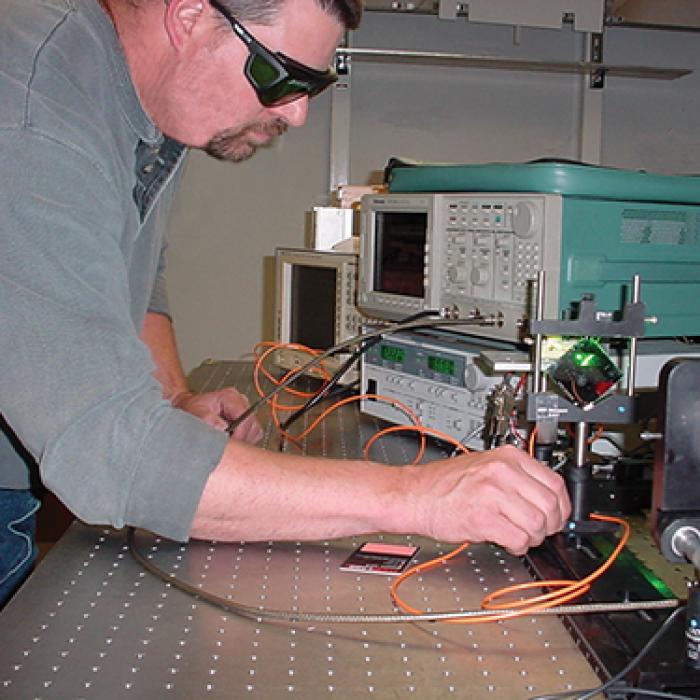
86	183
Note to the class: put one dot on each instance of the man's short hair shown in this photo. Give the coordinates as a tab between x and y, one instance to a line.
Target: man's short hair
348	12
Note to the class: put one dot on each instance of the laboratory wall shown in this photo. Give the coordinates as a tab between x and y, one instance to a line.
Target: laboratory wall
229	219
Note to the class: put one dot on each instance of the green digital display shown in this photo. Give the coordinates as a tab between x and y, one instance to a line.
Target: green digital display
441	365
391	353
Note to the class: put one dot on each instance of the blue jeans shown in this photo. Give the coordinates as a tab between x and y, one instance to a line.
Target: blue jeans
17	533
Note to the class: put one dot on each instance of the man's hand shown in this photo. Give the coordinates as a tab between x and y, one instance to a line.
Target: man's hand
218	408
502	496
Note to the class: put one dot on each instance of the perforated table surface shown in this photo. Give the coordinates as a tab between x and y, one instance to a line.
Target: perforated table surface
91	623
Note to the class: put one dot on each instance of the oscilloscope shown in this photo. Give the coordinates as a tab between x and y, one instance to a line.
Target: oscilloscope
479	250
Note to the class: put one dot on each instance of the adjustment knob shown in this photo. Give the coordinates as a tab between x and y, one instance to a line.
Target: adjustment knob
479	276
474	378
457	274
524	219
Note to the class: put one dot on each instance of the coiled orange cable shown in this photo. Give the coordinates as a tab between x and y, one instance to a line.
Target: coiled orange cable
564	590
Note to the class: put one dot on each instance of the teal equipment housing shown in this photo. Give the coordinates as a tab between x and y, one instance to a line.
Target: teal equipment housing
614	224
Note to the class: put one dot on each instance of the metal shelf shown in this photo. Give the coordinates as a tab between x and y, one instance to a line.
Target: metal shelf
457	60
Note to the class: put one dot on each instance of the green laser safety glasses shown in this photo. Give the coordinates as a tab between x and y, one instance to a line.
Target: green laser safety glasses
276	78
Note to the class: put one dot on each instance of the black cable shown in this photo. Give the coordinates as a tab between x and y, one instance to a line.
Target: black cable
349	362
644	693
591	692
640	450
325	391
624	689
392	328
337	394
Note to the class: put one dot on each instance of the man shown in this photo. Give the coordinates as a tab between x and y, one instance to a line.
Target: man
96	103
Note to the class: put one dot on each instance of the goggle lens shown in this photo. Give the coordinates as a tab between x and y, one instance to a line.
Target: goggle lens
275	87
263	72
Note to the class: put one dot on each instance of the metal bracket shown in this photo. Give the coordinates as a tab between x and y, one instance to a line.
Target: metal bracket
615	409
597	79
339	172
590	321
618	409
448	9
588	15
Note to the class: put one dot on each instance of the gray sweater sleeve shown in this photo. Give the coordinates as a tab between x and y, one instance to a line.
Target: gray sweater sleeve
159	302
76	382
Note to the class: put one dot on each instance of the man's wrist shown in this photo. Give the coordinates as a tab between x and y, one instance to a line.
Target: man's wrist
401	510
180	398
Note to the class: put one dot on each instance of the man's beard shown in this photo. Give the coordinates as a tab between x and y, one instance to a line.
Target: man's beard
236	145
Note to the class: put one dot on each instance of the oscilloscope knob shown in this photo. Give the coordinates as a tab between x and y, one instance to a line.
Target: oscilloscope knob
457	274
479	276
524	219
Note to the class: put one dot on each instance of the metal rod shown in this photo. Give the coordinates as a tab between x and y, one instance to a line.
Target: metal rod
632	369
578	476
581	443
539	316
262	614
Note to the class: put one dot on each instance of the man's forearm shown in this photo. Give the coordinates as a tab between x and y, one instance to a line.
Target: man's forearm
255	494
502	495
158	334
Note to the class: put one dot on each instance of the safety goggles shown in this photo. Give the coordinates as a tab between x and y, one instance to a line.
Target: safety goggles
276	78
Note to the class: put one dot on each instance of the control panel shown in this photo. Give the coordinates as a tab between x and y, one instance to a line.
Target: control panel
434	374
471	253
